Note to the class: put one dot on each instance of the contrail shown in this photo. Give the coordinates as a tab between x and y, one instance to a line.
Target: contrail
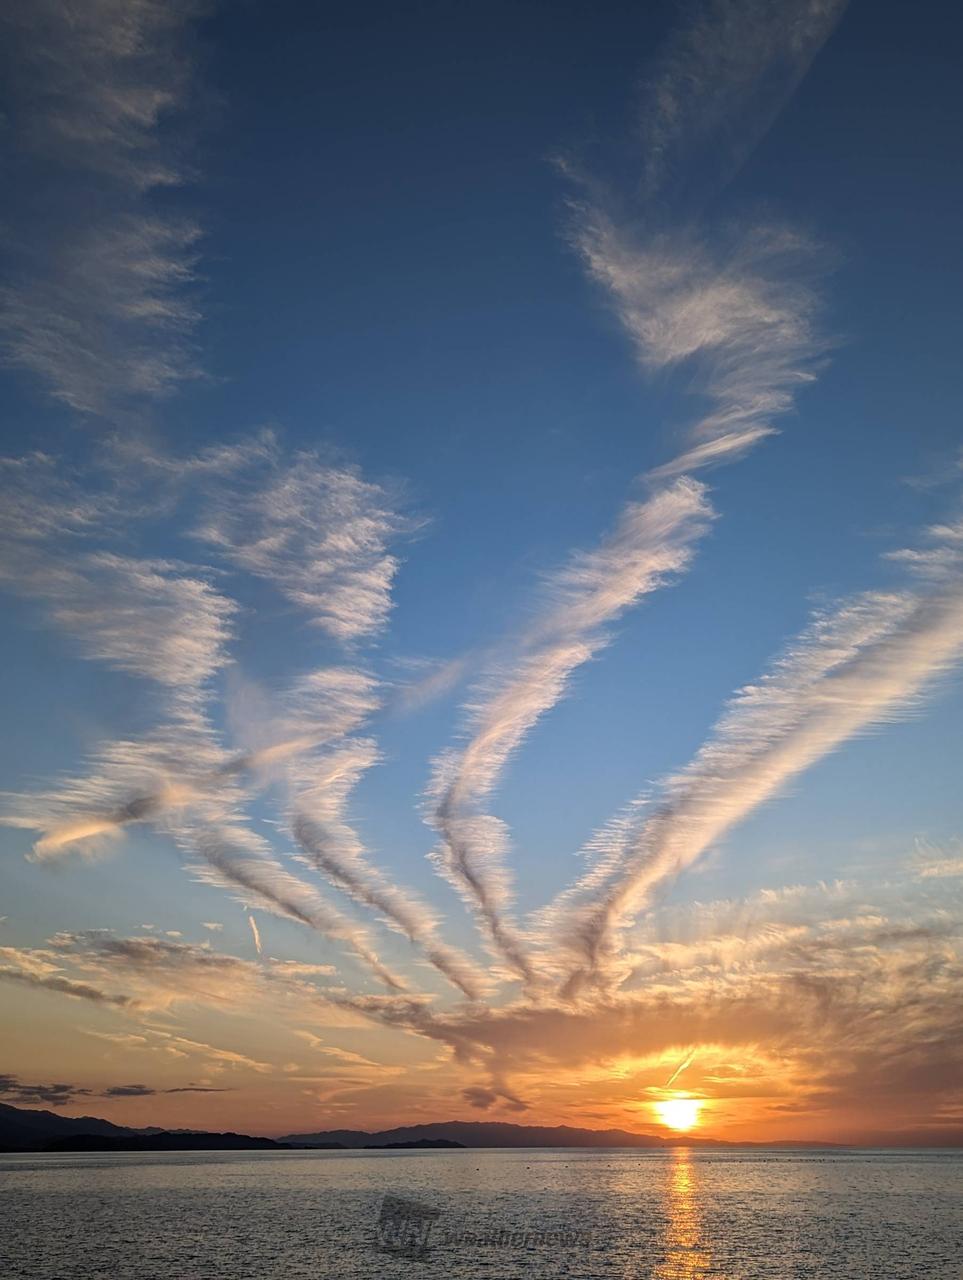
686	1062
257	936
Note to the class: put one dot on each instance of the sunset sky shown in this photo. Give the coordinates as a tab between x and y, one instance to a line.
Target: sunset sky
482	566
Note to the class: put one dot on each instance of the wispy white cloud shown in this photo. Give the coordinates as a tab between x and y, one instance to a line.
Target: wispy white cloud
320	786
44	970
147	617
429	681
321	534
717	85
317	709
163	622
739	315
41	503
108	322
652	541
940	557
938	862
868	663
93	81
167	780
98	306
733	310
156	620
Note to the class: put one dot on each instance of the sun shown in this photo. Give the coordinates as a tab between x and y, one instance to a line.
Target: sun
680	1114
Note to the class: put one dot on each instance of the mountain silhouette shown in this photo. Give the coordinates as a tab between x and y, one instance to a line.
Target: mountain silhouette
26	1130
470	1133
22	1129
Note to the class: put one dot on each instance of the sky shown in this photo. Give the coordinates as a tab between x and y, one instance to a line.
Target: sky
482	563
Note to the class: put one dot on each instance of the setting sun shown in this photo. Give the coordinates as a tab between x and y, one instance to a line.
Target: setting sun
679	1113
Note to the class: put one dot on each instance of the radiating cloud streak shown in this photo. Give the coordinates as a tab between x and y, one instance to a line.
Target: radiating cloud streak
182	764
735	310
105	321
741	315
867	664
156	621
320	787
204	820
652	541
236	858
827	977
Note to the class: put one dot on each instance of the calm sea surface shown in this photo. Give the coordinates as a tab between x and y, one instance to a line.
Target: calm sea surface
495	1214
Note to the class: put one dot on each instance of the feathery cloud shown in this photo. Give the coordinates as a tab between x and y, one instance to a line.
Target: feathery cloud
868	663
41	969
98	307
744	317
320	786
740	315
234	857
93	82
652	541
108	321
321	534
146	617
718	84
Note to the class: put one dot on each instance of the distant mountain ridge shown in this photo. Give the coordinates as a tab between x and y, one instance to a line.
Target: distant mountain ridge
20	1125
482	1133
24	1130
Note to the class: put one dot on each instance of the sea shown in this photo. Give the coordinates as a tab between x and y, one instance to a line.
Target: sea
739	1214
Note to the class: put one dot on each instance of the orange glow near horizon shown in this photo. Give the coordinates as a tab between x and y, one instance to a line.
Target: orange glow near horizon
681	1114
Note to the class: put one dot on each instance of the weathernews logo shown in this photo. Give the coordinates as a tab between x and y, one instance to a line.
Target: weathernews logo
408	1229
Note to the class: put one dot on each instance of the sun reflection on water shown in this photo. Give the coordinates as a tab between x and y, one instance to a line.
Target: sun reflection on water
686	1254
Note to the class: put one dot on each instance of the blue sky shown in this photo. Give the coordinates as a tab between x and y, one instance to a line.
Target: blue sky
379	341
